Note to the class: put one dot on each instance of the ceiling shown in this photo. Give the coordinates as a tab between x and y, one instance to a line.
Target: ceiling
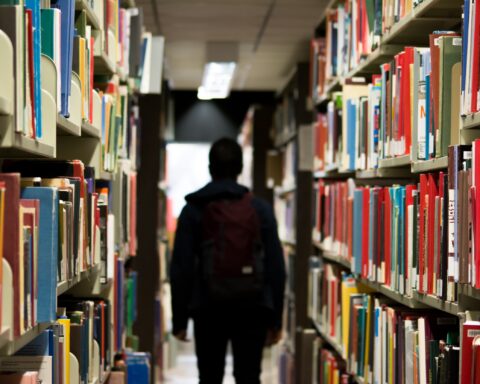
189	24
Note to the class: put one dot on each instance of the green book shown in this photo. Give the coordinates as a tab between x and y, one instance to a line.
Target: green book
81	23
48	33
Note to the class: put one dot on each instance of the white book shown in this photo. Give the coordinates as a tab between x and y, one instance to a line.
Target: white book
422	350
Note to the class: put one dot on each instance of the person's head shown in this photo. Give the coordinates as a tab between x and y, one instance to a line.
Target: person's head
226	159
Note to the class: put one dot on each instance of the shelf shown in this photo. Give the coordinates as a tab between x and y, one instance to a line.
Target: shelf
430	165
332	86
384	173
128	4
285	138
103	65
13	346
330	341
414	29
400	161
439	8
410	302
332	172
471	121
332	256
290	243
468	290
6	106
104	175
284	191
91	16
66	127
65	286
89	130
27	147
435	302
371	64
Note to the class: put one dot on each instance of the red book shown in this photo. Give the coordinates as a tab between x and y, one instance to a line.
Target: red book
470	330
31	219
11	240
377	257
476	61
333	315
422	231
387	245
476	210
365	231
432	194
350	228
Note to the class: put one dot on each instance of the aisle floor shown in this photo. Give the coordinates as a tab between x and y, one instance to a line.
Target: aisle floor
185	371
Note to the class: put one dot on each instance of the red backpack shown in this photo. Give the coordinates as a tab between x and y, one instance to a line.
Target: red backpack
232	250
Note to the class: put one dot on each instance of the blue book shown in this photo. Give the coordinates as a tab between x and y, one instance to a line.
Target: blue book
401	238
34	6
47	250
357	229
42	345
67	7
351	133
138	367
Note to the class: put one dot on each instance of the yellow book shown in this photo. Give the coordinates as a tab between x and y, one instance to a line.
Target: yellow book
349	287
66	343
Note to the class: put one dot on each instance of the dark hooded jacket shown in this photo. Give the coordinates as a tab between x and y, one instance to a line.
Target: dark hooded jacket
188	297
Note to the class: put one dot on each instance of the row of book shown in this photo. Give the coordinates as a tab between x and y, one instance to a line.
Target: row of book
57	223
420	237
411	108
353	30
79	347
379	341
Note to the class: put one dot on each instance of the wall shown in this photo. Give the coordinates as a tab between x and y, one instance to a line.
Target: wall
207	121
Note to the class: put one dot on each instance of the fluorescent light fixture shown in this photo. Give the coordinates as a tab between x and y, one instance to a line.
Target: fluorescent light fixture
217	80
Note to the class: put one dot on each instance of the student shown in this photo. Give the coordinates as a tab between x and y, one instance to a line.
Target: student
227	272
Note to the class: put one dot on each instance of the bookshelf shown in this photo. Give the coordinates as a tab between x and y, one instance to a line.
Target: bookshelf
69	151
368	261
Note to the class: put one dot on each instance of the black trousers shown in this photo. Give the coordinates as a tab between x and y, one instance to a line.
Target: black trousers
246	329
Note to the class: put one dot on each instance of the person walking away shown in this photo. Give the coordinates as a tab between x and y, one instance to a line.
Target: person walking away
227	272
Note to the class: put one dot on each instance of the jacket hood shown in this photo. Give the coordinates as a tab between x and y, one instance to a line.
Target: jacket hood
220	189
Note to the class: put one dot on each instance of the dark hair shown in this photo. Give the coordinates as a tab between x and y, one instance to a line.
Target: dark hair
226	159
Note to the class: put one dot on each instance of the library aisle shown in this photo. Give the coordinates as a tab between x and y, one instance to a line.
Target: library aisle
354	123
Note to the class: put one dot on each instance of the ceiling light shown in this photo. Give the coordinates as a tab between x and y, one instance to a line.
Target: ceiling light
217	80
